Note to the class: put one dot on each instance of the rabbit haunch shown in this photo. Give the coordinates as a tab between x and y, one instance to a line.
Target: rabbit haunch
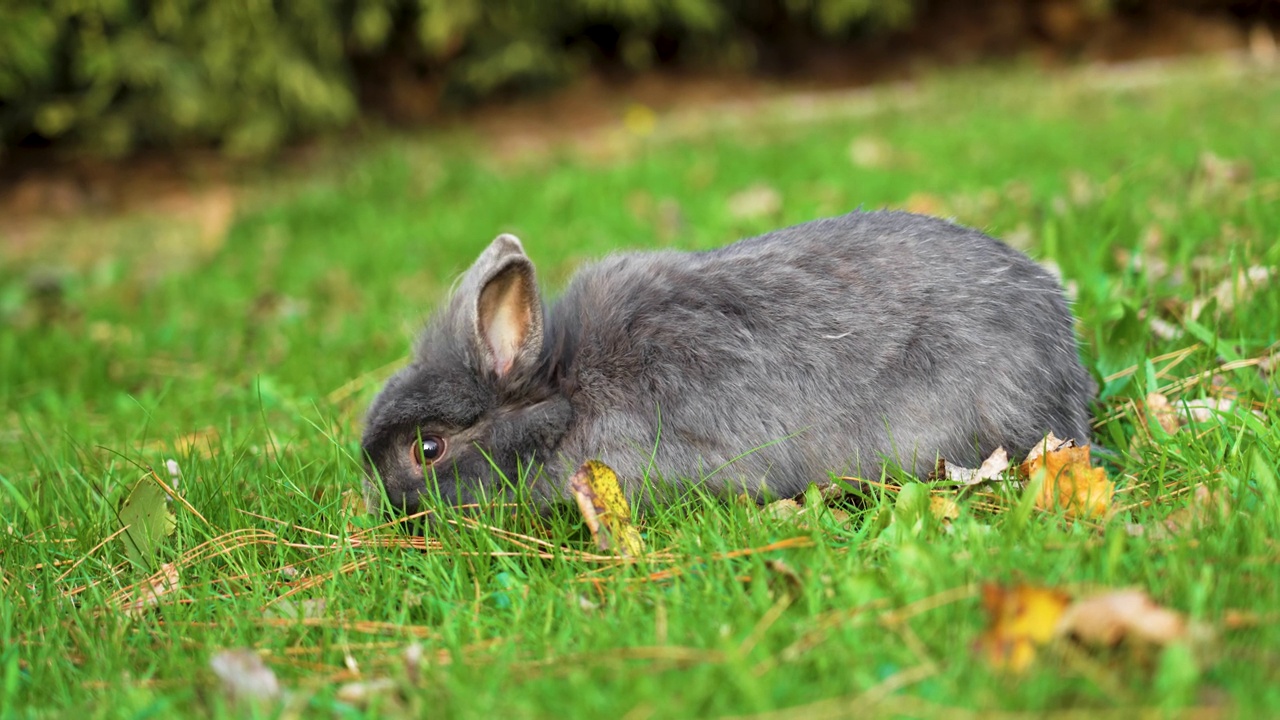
828	347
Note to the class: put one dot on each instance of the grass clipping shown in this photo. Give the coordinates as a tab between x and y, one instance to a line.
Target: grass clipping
605	509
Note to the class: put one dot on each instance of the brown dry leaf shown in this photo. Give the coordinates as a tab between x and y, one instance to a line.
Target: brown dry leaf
1164	329
784	581
1020	619
1068	481
1108	618
605	509
244	676
1206	507
289	609
150	591
1159	408
1238	287
805	510
1203	410
1270	364
990	469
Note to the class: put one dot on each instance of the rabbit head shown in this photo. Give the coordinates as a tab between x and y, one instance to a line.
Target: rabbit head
476	406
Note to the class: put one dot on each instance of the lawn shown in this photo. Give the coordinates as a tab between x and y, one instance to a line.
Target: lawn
250	360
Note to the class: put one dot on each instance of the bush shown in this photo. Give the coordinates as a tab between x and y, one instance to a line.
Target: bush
245	75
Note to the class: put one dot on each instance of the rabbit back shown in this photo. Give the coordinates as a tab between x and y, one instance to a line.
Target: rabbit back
828	347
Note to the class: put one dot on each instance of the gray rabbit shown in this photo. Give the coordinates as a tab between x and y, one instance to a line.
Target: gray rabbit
829	347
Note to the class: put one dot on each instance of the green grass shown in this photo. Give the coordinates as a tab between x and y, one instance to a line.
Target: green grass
239	366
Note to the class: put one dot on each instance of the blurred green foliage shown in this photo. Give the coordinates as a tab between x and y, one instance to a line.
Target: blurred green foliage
245	75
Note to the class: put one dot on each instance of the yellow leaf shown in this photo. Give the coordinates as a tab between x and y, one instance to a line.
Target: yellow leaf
782	509
1021	619
944	508
604	508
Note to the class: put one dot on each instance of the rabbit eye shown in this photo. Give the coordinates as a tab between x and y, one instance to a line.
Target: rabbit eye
431	449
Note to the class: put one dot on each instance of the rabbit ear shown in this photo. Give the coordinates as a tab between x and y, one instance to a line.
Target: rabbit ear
508	309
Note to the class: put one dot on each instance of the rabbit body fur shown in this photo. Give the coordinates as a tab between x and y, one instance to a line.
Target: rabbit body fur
829	347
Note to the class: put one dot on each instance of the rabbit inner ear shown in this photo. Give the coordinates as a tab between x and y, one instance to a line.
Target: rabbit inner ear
506	315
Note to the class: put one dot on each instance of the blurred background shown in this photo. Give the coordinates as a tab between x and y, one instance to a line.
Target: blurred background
85	82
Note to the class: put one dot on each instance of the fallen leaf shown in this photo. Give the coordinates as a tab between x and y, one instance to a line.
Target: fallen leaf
1107	619
146	518
990	469
605	509
1270	364
361	692
1020	618
784	581
1206	507
806	509
943	508
1203	410
1164	329
1067	480
413	656
825	497
150	591
782	509
1023	618
244	676
757	201
1050	443
290	609
1229	291
1161	410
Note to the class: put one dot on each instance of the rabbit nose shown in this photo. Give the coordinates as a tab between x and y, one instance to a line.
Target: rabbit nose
409	504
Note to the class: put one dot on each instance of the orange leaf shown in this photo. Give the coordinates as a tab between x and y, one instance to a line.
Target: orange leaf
1069	483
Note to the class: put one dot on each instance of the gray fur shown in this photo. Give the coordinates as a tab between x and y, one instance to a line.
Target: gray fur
828	347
